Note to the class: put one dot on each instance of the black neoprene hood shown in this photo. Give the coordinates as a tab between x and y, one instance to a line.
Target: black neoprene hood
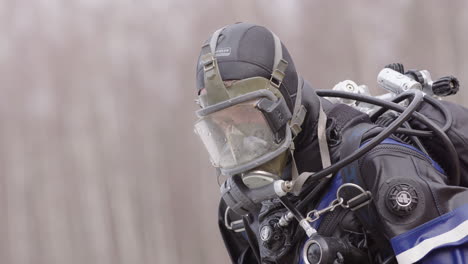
247	50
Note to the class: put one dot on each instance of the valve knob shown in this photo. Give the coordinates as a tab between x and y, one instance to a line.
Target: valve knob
446	86
416	75
396	67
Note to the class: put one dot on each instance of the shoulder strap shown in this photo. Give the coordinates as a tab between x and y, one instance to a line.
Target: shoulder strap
351	142
351	174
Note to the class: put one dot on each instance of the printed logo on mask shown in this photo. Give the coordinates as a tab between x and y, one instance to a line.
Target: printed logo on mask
223	52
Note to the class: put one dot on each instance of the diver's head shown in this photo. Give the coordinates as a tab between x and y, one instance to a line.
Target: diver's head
246	50
253	108
247	84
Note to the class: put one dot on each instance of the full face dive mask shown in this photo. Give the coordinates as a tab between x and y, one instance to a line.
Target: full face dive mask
245	132
248	127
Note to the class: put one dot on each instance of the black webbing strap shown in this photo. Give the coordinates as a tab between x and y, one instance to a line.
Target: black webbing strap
252	237
351	174
364	210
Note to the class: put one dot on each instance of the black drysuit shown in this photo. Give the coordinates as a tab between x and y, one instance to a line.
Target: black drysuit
414	213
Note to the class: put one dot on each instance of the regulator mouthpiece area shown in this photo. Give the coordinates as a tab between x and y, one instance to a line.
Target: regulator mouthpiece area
257	178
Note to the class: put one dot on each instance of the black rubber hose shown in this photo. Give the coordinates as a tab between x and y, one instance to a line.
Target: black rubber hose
408	136
415	139
406	131
455	172
436	104
382	110
417	100
290	206
370	100
445	112
312	194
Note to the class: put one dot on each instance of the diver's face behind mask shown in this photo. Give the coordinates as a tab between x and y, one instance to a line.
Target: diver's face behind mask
247	132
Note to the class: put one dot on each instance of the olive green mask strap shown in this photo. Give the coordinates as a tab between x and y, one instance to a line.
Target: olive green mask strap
277	76
278	51
299	180
299	112
279	68
214	40
215	90
299	109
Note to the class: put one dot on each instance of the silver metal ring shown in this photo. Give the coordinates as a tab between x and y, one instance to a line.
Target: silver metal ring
345	204
306	248
229	225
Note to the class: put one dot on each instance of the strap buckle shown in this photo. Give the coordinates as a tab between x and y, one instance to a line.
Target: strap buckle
278	74
276	78
297	120
208	61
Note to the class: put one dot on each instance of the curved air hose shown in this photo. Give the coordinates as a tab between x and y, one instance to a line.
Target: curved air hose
406	113
417	98
312	189
436	104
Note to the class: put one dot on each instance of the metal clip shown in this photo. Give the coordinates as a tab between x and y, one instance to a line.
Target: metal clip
314	215
365	196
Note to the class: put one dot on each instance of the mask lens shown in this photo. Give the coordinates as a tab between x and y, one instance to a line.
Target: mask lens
236	135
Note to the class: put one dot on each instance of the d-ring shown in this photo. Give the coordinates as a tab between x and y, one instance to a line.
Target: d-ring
363	193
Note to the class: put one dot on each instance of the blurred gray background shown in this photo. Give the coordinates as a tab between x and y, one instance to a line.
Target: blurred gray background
98	159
